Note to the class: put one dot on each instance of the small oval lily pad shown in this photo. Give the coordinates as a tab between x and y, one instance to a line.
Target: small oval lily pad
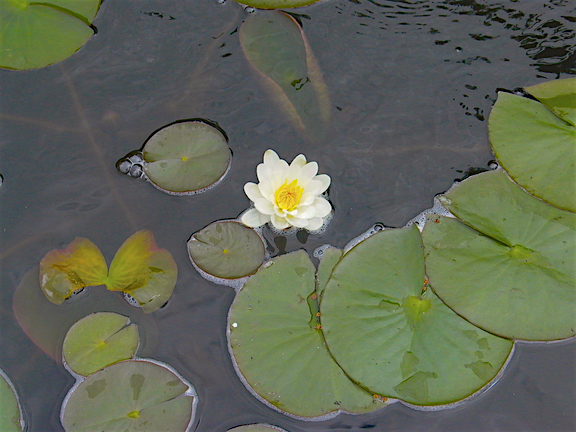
393	336
510	268
10	412
37	34
99	340
130	396
227	249
279	350
186	157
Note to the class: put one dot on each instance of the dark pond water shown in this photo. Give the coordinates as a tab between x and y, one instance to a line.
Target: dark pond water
411	86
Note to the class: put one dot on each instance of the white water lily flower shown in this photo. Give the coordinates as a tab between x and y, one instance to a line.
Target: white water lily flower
287	195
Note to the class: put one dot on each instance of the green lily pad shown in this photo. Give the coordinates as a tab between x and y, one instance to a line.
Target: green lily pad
396	338
536	142
275	45
10	412
330	257
276	4
37	34
227	249
99	340
511	268
186	157
278	349
133	395
256	428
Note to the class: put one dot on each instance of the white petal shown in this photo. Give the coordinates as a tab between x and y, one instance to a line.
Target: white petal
307	198
264	172
310	170
271	157
322	207
264	206
315	223
304	212
297	222
299	160
325	180
253	218
267	190
294	172
251	190
279	222
314	187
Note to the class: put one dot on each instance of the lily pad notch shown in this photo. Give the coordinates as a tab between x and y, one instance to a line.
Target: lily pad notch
185	157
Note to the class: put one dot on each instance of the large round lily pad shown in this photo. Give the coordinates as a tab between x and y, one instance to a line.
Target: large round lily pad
10	413
227	250
278	349
396	338
536	142
99	340
186	157
511	268
36	34
130	396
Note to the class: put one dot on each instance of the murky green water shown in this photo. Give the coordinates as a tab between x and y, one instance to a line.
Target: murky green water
411	86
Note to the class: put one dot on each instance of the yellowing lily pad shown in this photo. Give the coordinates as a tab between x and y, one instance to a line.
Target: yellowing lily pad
510	268
535	142
186	157
279	350
99	340
227	249
393	336
130	396
36	34
10	412
65	271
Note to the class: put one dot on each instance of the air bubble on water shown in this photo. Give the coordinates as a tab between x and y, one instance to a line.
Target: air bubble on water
136	157
436	209
377	227
319	251
124	166
493	165
1	179
131	300
136	170
249	9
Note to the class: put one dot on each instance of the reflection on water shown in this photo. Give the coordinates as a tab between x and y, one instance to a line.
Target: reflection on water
411	86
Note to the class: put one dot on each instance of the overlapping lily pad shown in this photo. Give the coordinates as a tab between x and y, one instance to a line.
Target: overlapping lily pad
227	249
276	4
139	268
130	396
395	337
99	340
186	157
256	428
536	142
278	348
511	268
275	45
36	34
10	412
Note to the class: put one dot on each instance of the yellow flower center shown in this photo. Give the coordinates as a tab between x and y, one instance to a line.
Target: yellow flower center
288	195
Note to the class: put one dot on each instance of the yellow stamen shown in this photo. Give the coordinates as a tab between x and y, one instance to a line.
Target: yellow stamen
288	195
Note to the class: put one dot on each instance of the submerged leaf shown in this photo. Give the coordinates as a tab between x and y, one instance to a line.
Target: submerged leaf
396	338
227	250
536	142
65	271
10	412
36	34
511	268
130	396
276	4
99	340
186	157
275	45
278	349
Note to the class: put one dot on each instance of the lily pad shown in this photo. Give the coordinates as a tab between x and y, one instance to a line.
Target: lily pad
227	250
330	257
278	350
511	267
186	157
276	4
99	340
139	269
256	428
395	337
536	142
10	412
133	395
37	34
275	45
